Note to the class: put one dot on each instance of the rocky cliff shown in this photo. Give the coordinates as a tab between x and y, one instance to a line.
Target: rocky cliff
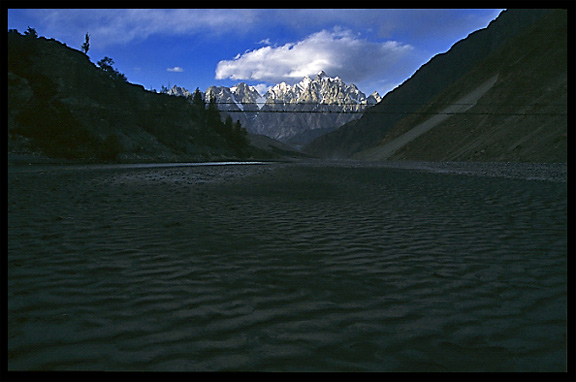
521	116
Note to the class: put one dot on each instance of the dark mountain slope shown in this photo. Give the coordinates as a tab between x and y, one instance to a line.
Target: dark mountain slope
522	117
437	76
62	105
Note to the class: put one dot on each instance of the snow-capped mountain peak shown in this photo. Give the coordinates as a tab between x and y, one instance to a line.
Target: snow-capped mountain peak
281	92
373	98
322	89
322	76
178	91
245	93
305	83
258	113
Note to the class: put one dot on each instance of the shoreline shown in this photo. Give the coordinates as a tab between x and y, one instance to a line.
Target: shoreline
555	172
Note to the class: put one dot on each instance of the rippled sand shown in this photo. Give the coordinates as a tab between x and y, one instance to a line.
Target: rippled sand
329	267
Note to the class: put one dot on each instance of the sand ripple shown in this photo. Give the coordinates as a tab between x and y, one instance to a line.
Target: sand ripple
285	267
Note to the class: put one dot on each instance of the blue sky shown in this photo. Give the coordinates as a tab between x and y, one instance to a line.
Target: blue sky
377	49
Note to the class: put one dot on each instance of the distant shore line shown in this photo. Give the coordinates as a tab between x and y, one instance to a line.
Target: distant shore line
32	159
554	172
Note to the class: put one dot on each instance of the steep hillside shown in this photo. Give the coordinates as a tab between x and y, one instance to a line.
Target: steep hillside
519	114
61	105
448	77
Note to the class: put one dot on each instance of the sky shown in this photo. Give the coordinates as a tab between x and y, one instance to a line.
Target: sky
376	49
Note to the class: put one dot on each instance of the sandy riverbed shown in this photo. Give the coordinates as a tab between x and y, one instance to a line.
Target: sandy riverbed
330	267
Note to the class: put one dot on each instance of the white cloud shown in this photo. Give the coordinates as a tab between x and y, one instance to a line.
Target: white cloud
122	26
337	52
415	36
176	69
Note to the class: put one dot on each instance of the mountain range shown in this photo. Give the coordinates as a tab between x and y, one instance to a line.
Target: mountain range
293	114
498	95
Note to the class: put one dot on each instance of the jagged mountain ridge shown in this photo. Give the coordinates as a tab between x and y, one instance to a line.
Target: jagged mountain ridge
291	113
322	90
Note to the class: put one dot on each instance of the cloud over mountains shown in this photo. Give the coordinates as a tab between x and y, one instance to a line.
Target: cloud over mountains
338	51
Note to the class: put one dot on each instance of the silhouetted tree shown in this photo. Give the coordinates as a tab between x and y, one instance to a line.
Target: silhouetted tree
213	119
86	44
197	99
228	123
106	65
31	32
198	106
240	135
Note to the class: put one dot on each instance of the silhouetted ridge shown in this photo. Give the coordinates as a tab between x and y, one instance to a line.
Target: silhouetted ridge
444	72
62	105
